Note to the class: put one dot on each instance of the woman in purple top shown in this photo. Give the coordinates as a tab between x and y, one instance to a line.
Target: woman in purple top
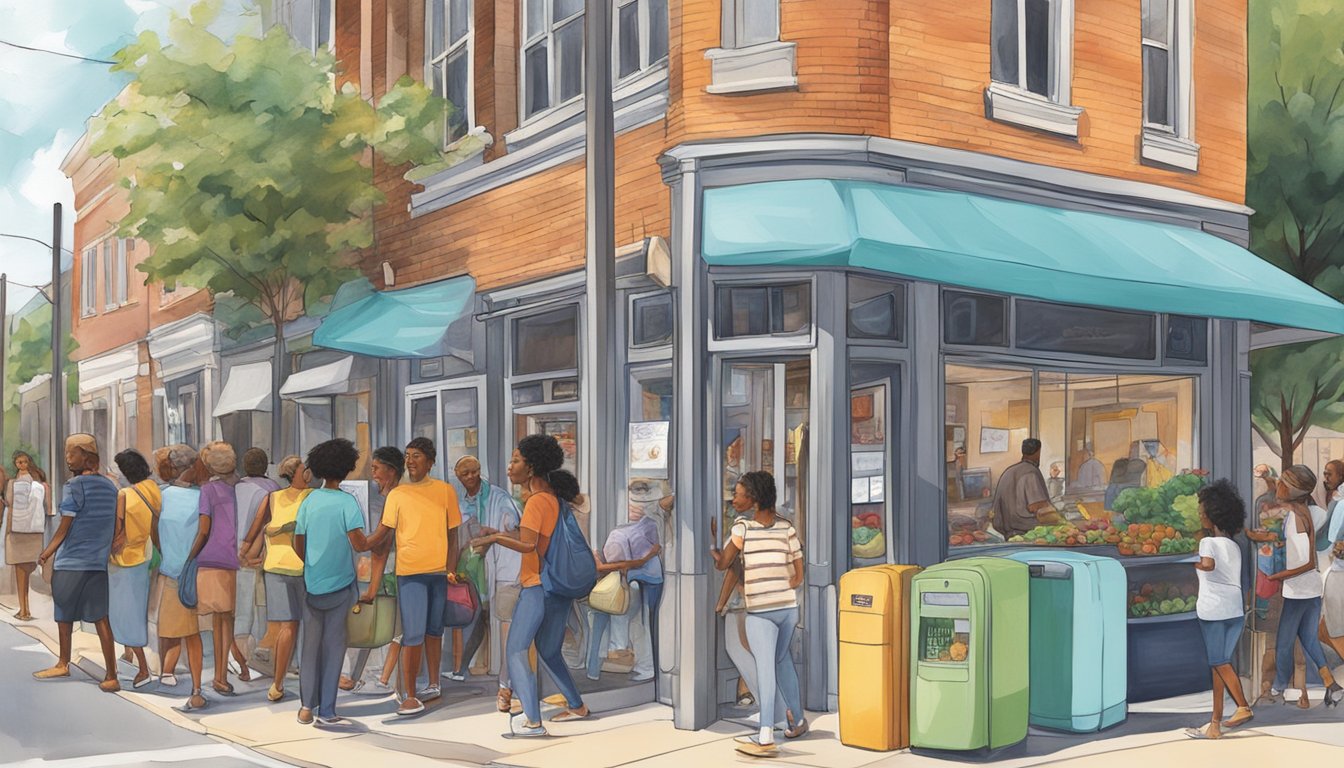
216	555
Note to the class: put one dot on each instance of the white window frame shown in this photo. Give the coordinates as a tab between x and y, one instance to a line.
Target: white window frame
1174	145
739	66
646	62
88	281
549	25
1012	102
467	43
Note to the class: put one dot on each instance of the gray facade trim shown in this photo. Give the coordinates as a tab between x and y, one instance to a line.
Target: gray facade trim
1027	178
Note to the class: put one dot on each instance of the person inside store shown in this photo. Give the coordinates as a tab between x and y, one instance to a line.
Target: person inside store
633	550
1021	498
27	499
772	566
1055	483
216	554
128	576
1302	586
1219	607
955	466
1091	473
539	617
81	548
489	506
282	571
423	515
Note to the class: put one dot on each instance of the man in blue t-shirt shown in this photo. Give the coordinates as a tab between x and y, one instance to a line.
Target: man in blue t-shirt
81	546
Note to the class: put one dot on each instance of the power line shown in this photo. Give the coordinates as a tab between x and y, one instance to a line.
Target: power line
35	240
56	53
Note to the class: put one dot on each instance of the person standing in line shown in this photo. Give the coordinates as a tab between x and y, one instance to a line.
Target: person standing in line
249	493
328	532
772	560
423	515
128	573
282	569
1331	630
541	618
1220	608
1302	587
175	531
81	547
216	554
26	493
388	465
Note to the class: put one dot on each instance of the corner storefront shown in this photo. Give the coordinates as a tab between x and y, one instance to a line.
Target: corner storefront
984	301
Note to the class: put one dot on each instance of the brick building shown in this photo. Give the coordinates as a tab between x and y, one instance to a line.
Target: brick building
835	222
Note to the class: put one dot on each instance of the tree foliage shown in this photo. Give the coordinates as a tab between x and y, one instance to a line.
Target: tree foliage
1294	387
29	352
246	167
1296	138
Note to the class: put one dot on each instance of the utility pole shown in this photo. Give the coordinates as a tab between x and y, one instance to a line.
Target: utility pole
600	340
57	393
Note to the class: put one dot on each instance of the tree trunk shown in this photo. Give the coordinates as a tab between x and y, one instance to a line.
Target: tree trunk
1286	445
278	371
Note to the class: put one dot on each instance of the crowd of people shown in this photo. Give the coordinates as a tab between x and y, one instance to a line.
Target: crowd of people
180	543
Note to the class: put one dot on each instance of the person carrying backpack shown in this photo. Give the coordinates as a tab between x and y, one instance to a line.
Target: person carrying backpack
557	568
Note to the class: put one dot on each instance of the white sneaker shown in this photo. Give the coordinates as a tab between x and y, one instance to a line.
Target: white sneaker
518	727
639	677
373	687
455	677
429	694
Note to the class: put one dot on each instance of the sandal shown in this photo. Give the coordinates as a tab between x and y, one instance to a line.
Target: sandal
275	693
798	729
191	704
571	716
142	679
246	674
504	699
1242	716
223	689
746	700
1201	733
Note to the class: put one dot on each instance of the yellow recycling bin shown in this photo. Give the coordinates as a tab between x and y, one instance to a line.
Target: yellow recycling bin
875	657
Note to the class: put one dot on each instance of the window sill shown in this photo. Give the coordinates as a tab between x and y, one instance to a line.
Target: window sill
548	141
462	155
764	67
1010	104
1163	148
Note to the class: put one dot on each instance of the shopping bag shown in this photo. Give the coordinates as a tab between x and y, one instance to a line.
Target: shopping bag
610	595
372	625
460	607
569	569
186	584
28	513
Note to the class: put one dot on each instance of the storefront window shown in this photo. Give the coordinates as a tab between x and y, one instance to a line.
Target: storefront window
871	461
651	320
1047	327
1187	339
975	319
460	430
763	405
546	342
1100	435
424	422
876	309
754	310
563	426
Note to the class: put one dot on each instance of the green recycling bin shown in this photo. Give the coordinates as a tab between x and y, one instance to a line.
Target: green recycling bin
970	628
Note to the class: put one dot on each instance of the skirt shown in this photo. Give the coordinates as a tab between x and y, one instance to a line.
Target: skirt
22	548
1332	606
216	591
128	604
175	619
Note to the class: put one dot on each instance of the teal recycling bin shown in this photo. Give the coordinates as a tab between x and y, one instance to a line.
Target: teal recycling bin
1079	653
969	661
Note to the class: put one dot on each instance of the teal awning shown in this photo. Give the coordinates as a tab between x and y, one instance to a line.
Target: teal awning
1007	247
431	320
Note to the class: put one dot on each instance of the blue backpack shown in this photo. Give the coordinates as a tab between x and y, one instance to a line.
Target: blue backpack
569	569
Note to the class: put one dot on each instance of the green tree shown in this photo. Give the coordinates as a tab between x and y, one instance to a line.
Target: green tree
247	168
1292	388
29	355
1295	138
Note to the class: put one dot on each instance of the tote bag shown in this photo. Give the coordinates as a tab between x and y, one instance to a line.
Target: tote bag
611	595
461	605
29	509
569	569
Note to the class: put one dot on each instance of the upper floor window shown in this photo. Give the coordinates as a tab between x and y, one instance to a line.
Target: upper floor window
552	65
114	272
448	61
1031	50
640	32
1167	83
88	282
750	22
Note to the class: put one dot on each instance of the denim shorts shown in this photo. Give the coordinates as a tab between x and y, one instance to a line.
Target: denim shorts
1220	639
420	600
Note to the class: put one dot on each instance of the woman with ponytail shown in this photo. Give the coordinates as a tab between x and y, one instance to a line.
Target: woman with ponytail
540	617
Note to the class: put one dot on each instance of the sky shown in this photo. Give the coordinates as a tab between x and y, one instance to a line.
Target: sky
45	101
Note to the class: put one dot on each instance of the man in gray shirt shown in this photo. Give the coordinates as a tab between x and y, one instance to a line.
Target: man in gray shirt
1021	499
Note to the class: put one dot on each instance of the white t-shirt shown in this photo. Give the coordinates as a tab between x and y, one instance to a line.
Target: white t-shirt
1297	551
1219	589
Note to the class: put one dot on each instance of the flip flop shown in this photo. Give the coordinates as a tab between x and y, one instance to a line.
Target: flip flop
223	689
570	716
141	682
189	707
1200	734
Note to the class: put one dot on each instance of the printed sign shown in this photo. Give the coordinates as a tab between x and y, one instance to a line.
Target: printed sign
648	444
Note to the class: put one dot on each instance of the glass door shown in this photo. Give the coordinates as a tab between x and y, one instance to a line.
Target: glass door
450	416
764	423
873	427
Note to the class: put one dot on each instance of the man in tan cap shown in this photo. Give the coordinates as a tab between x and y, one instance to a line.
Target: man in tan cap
81	546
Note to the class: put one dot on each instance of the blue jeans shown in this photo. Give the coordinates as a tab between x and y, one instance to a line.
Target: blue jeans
539	618
771	635
650	594
322	651
1299	620
420	598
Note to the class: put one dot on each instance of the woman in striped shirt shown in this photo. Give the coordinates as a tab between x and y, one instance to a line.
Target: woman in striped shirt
772	559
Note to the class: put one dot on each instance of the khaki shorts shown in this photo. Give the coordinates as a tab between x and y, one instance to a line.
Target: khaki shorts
175	619
216	591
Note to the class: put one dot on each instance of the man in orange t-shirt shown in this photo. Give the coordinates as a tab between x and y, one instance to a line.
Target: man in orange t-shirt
423	514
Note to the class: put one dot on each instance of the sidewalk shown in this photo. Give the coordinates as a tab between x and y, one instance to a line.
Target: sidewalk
467	731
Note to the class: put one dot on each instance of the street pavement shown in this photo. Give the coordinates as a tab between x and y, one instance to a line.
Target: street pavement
69	723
